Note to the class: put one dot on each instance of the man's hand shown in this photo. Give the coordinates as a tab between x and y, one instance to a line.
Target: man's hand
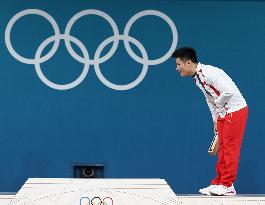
215	127
213	149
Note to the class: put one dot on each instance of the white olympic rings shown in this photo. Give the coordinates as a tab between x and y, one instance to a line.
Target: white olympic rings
68	38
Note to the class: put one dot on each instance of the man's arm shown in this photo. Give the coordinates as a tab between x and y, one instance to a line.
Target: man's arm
212	107
225	92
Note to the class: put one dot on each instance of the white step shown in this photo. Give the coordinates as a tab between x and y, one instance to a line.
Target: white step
5	198
221	200
80	191
39	191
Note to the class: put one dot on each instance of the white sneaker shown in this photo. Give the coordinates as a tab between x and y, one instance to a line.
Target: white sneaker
206	191
231	191
221	190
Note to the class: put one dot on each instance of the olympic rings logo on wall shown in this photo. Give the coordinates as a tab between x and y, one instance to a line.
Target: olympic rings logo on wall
96	201
85	59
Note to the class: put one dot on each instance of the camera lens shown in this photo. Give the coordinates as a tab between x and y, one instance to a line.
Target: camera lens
88	172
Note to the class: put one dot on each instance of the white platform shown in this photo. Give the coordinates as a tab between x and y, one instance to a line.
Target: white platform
5	198
220	200
114	192
82	191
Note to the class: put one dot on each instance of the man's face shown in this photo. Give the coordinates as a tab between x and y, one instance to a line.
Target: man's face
183	67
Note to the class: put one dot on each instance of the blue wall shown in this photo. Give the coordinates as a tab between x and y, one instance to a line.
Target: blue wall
160	128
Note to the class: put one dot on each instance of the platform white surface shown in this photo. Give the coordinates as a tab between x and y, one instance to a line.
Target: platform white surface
220	200
96	191
38	191
6	198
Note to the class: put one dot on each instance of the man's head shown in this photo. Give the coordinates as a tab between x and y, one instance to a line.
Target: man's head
186	61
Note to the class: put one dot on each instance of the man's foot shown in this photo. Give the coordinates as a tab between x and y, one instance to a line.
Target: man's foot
221	190
206	191
231	191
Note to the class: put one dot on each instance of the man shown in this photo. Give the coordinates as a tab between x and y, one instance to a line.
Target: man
229	112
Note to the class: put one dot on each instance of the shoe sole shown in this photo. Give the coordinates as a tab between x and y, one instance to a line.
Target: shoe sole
205	193
213	194
230	194
226	194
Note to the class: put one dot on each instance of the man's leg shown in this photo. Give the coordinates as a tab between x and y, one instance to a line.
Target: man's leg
220	166
234	126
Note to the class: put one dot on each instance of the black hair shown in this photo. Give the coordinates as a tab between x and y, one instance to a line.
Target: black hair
185	53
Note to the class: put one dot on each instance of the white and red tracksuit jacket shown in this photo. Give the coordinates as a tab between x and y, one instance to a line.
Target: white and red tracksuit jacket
221	93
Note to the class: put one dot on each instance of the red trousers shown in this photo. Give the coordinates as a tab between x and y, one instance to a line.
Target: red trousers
230	132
